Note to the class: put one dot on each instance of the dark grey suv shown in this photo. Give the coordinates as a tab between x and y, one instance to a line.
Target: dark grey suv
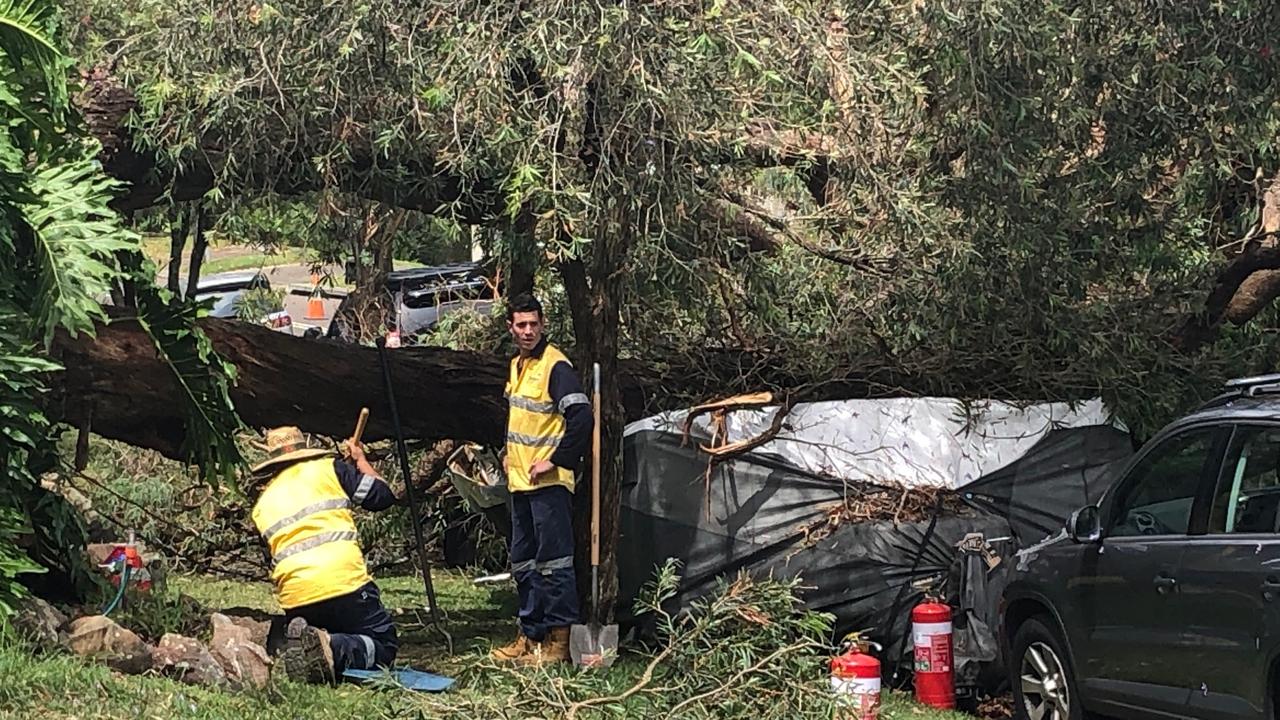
1163	601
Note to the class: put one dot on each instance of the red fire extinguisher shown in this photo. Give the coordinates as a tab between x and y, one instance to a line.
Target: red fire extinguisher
855	678
934	672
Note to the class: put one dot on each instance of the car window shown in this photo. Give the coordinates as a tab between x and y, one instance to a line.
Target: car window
1248	492
1157	496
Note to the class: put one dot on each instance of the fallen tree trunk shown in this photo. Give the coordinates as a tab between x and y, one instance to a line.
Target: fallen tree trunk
117	380
116	383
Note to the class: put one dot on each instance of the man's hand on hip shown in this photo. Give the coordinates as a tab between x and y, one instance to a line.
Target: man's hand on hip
538	469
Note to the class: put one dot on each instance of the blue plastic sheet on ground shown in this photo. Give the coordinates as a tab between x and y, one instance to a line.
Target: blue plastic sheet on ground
411	679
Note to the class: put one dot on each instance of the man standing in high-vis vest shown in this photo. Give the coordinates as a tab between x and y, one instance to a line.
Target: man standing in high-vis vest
335	616
548	431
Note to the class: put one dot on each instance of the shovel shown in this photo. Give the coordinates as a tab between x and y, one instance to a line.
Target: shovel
594	645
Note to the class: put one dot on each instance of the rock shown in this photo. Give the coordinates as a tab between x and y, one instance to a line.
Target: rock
259	630
99	552
187	660
99	637
40	623
245	662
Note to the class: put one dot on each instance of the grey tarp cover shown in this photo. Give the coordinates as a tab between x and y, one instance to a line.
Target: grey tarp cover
753	513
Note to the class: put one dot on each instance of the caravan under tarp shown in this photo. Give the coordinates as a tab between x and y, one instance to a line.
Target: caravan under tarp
761	512
758	512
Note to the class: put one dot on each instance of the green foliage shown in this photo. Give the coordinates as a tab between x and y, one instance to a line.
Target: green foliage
13	562
44	193
728	651
201	525
1012	198
33	69
469	330
152	614
61	247
77	240
328	226
257	303
169	507
203	378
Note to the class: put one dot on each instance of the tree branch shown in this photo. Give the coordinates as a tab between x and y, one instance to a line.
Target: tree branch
1203	327
780	226
106	105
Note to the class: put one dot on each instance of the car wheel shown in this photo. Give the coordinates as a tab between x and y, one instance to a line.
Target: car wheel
1043	686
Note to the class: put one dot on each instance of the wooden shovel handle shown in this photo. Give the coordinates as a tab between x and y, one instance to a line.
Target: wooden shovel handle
360	423
595	467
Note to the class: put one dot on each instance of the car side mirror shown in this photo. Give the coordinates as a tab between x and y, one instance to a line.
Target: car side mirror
1085	525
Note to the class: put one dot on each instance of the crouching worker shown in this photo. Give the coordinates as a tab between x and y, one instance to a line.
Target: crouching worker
334	615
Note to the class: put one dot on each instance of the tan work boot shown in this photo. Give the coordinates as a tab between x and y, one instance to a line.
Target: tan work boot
307	656
553	649
517	649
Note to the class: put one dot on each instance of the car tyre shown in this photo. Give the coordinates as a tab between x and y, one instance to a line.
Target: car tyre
1044	684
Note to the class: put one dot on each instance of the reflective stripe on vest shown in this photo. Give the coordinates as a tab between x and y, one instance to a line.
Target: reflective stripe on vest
551	441
531	405
312	509
315	541
535	424
305	516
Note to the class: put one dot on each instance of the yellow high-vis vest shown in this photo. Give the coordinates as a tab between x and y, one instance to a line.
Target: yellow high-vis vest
535	425
305	516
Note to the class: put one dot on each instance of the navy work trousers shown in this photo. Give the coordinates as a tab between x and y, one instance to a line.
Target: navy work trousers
542	559
361	633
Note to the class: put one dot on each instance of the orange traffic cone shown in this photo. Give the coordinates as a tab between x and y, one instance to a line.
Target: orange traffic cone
315	308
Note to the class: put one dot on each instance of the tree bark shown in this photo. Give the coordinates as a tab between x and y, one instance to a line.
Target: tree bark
594	303
179	229
319	385
198	248
520	268
1247	285
1261	288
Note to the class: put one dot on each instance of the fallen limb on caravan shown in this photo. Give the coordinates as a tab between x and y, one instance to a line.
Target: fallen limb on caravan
871	544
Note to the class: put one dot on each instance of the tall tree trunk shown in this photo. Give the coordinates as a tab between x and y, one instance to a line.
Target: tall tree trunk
594	300
520	266
369	310
198	248
179	228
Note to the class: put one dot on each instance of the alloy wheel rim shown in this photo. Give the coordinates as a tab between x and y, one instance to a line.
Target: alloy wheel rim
1044	684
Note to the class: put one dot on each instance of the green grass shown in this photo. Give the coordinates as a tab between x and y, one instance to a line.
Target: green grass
156	248
57	687
256	260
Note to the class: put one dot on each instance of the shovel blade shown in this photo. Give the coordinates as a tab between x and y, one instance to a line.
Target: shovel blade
593	645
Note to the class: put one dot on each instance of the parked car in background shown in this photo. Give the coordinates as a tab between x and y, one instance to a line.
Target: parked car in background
1163	601
420	297
228	291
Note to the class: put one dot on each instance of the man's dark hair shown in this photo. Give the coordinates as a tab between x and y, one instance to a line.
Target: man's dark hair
523	303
